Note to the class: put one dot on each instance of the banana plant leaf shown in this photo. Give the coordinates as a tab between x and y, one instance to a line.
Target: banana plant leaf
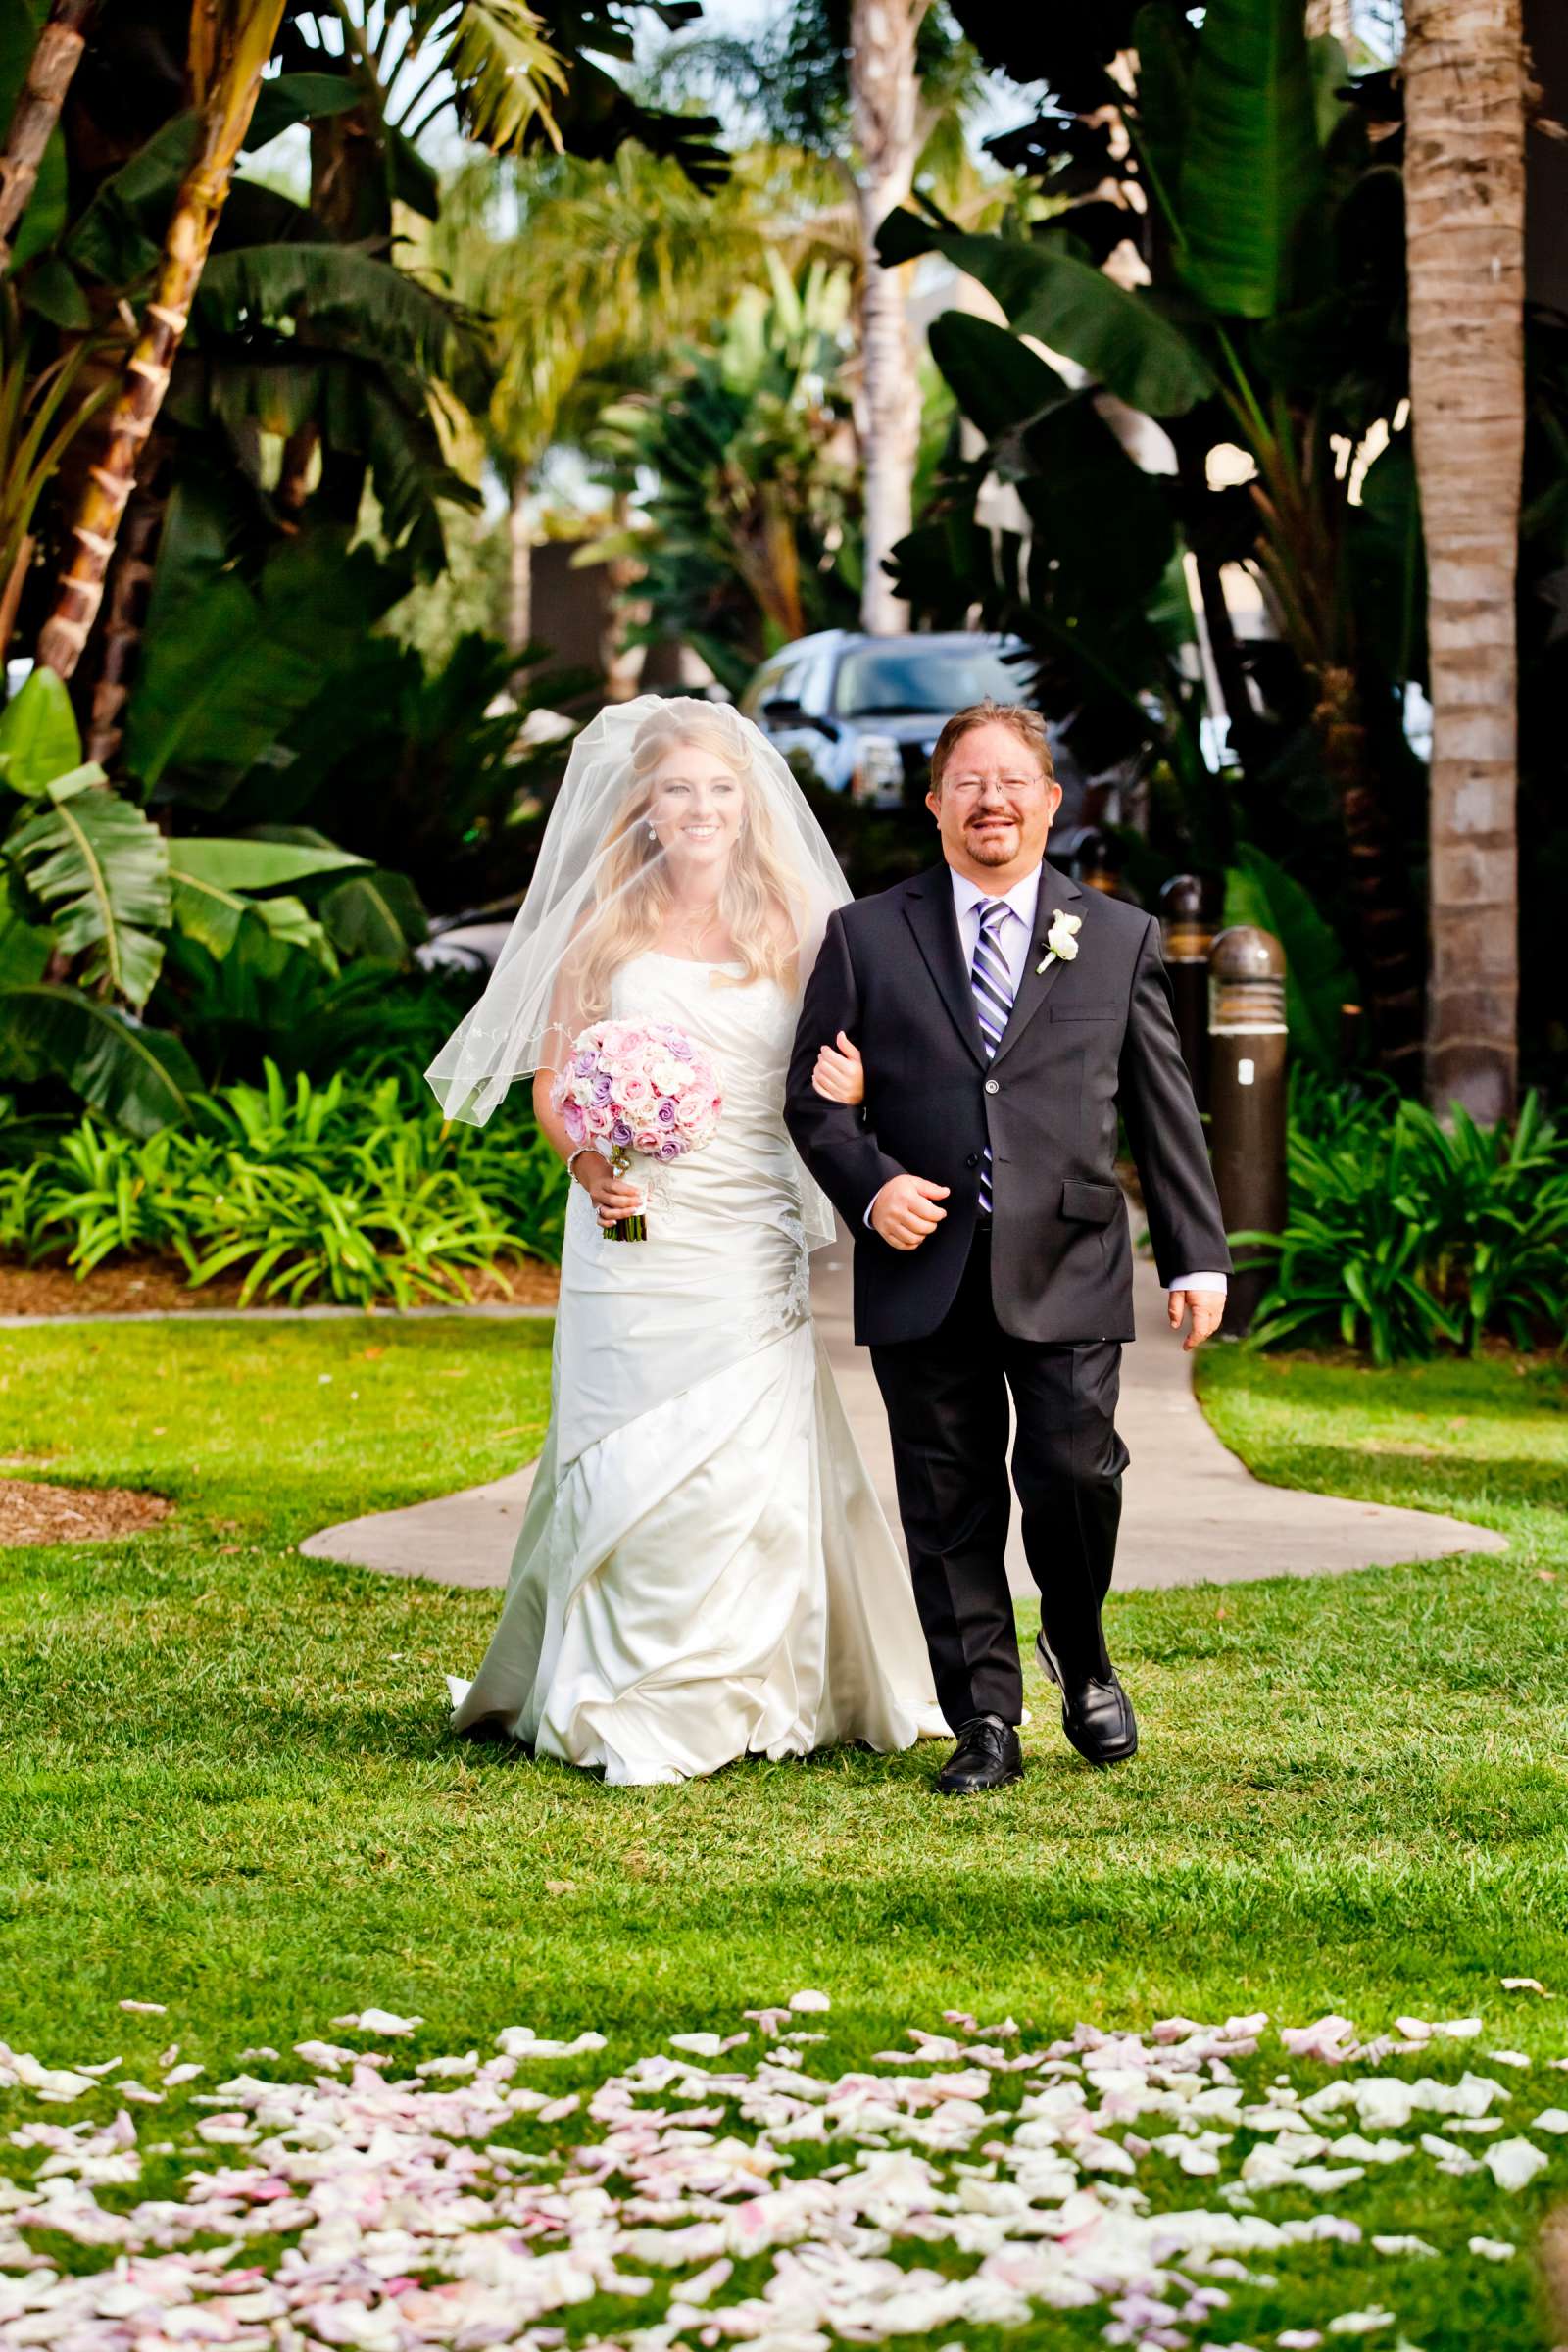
376	917
1317	978
101	870
227	665
39	739
349	293
212	879
1164	108
1122	340
239	862
1102	533
141	1078
117	234
24	947
1252	168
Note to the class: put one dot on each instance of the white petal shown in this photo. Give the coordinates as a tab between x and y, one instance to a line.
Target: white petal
1514	2163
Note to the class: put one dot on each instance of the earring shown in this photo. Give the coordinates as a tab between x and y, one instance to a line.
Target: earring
652	830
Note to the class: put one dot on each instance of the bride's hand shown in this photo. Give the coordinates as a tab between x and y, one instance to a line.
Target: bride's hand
841	1076
614	1196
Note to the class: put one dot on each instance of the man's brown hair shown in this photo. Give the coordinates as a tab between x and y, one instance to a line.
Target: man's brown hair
1027	725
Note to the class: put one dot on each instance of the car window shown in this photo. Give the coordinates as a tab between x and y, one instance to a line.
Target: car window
904	675
814	681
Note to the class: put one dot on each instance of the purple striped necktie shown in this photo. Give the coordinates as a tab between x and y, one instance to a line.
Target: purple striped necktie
992	983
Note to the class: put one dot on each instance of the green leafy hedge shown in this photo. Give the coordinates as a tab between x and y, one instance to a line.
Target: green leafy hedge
353	1193
1404	1235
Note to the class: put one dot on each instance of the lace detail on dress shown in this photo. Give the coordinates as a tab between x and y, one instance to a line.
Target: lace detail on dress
791	1305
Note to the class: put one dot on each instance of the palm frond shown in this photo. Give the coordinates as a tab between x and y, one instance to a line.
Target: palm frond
505	74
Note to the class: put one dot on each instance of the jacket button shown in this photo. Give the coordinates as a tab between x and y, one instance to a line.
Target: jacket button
992	1086
973	1161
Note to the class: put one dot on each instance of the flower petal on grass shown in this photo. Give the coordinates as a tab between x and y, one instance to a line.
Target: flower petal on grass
1514	2163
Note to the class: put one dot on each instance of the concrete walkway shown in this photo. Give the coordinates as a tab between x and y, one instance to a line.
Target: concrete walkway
1191	1513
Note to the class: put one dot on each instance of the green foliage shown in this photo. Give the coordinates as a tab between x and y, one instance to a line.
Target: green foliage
754	521
1402	1234
99	869
89	880
1317	978
234	652
1052	293
351	1192
141	1077
1252	167
1269	221
1089	588
39	739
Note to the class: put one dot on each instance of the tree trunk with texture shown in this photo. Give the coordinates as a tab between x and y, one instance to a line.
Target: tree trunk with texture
54	62
884	97
115	653
252	30
1464	86
520	565
1336	17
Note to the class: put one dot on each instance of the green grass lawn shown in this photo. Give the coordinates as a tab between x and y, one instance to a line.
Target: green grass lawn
227	1784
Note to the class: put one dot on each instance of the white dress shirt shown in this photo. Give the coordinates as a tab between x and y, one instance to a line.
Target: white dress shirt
1015	936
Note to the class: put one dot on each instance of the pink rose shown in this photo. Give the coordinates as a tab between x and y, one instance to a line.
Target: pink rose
647	1140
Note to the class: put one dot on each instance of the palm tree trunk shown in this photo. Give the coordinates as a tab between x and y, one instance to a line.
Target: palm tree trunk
1464	89
884	92
1336	18
54	61
520	565
117	644
251	29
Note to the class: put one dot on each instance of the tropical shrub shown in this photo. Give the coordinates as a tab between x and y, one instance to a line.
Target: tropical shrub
755	533
350	1192
1402	1235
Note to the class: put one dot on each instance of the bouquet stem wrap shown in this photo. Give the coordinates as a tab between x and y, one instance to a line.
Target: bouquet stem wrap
624	1229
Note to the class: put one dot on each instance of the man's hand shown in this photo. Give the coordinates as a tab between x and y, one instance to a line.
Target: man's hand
1208	1310
905	1211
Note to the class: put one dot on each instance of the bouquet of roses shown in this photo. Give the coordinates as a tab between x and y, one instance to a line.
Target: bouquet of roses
638	1086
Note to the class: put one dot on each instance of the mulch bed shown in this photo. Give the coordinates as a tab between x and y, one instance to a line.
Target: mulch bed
32	1512
157	1287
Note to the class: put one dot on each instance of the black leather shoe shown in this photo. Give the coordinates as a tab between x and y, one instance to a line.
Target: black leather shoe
1096	1716
987	1756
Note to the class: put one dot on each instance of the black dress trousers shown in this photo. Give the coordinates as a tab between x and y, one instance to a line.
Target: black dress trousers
946	1403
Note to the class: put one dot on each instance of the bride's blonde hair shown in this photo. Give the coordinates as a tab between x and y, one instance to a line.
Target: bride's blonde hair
759	902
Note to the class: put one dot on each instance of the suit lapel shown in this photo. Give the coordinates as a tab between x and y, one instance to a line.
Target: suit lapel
929	912
1056	891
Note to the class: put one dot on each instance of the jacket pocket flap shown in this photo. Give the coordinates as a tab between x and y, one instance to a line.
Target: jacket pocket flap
1086	1013
1089	1204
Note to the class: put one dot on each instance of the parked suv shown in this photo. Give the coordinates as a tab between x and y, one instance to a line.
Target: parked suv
862	714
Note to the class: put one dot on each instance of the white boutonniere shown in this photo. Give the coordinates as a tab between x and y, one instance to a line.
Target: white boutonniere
1061	940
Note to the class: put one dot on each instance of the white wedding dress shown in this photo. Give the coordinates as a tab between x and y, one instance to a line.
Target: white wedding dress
703	1571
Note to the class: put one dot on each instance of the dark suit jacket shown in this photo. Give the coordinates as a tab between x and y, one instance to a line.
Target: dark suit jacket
1086	1039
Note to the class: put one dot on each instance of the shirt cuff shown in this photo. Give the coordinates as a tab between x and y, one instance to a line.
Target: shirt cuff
1199	1281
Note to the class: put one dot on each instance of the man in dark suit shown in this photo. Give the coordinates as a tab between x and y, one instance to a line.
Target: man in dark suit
1006	1017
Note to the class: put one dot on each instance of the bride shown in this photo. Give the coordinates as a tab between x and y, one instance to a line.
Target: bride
703	1571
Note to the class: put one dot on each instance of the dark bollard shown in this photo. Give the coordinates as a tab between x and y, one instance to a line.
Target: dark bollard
1246	1055
1189	910
1098	863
